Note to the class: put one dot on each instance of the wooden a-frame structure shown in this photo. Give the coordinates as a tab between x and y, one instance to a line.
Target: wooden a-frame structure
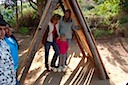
83	36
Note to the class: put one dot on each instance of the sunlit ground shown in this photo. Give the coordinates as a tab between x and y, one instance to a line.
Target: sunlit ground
115	60
114	57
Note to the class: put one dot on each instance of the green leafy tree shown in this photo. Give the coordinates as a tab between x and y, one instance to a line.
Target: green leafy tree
123	15
124	5
38	5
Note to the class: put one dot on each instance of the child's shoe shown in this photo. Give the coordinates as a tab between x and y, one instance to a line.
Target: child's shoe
65	66
54	69
64	69
59	69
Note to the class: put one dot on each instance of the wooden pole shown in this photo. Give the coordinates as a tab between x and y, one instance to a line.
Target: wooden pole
37	37
89	77
79	44
83	40
91	44
34	39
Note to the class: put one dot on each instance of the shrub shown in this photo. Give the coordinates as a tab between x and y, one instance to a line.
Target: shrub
101	33
29	18
8	15
24	30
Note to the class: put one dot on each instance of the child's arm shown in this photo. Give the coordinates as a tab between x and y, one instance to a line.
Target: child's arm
57	40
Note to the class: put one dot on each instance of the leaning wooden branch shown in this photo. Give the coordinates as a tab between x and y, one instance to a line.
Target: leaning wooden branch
30	2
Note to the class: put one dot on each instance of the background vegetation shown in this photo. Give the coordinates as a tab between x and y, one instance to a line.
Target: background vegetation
105	17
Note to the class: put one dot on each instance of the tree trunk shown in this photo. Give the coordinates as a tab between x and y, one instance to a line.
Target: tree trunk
40	6
21	8
17	22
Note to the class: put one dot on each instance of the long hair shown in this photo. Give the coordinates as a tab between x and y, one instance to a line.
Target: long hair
69	19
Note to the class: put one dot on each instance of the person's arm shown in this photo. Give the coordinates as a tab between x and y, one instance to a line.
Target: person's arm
44	39
2	76
74	26
58	33
60	24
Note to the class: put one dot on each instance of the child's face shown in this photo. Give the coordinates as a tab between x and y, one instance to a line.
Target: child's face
63	38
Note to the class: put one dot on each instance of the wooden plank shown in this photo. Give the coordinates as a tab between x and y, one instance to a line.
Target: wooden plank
84	42
79	33
82	72
78	41
86	30
21	67
37	37
89	77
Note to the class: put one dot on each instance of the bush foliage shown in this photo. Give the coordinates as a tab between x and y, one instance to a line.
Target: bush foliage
29	18
101	14
23	30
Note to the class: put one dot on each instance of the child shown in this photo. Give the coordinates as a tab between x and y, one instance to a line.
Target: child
63	47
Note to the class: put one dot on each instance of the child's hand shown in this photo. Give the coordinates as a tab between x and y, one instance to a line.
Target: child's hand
58	37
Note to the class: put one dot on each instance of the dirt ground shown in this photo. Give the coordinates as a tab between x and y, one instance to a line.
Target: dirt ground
113	51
